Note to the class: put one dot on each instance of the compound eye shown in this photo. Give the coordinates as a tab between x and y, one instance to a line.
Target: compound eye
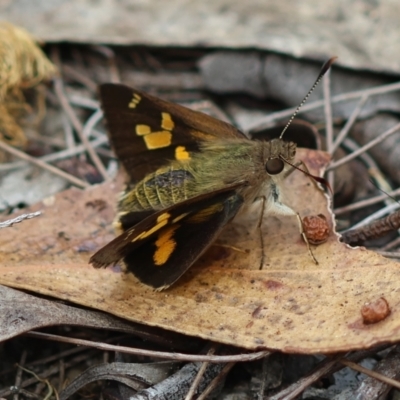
274	166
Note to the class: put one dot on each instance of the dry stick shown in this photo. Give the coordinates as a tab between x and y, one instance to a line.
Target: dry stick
91	122
326	367
351	145
83	102
366	147
109	54
367	202
371	388
18	377
298	387
213	384
58	88
349	123
76	181
49	372
59	155
391	245
68	132
264	373
152	61
62	354
389	254
378	176
370	373
61	375
265	123
373	169
374	230
150	353
20	218
80	78
50	387
378	214
382	183
328	123
200	374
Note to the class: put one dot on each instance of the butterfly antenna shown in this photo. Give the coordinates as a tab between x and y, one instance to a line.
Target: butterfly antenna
323	71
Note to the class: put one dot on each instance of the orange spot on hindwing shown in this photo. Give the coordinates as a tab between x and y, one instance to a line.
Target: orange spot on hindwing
165	244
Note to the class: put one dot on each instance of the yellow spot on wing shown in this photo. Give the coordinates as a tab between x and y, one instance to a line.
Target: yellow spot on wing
118	226
142	130
163	217
157	140
135	100
155	228
205	214
179	217
181	153
166	121
165	245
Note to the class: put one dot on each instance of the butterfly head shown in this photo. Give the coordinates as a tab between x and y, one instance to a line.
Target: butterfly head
278	154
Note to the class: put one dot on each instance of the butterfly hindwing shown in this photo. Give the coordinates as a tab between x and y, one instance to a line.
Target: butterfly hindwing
162	247
146	131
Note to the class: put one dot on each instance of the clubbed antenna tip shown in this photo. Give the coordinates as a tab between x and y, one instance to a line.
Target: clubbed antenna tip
326	66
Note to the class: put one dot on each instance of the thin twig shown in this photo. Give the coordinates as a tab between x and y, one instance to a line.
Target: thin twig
68	132
266	122
389	254
90	84
370	373
58	88
376	215
374	230
351	145
200	374
293	390
150	353
18	377
213	384
109	54
391	245
60	155
83	102
366	147
20	218
82	358
349	123
91	122
20	154
328	123
366	203
50	387
373	169
264	374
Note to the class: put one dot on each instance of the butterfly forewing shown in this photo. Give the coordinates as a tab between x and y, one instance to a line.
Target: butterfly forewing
146	132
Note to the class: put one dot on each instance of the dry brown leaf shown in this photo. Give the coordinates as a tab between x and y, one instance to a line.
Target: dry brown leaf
21	312
291	305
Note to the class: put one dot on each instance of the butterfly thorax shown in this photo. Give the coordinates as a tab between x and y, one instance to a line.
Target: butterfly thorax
218	164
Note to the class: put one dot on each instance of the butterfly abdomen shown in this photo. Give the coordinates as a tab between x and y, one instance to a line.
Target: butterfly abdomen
158	190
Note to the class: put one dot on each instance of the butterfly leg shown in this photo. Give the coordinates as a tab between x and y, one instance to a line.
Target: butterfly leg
278	208
303	235
259	228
